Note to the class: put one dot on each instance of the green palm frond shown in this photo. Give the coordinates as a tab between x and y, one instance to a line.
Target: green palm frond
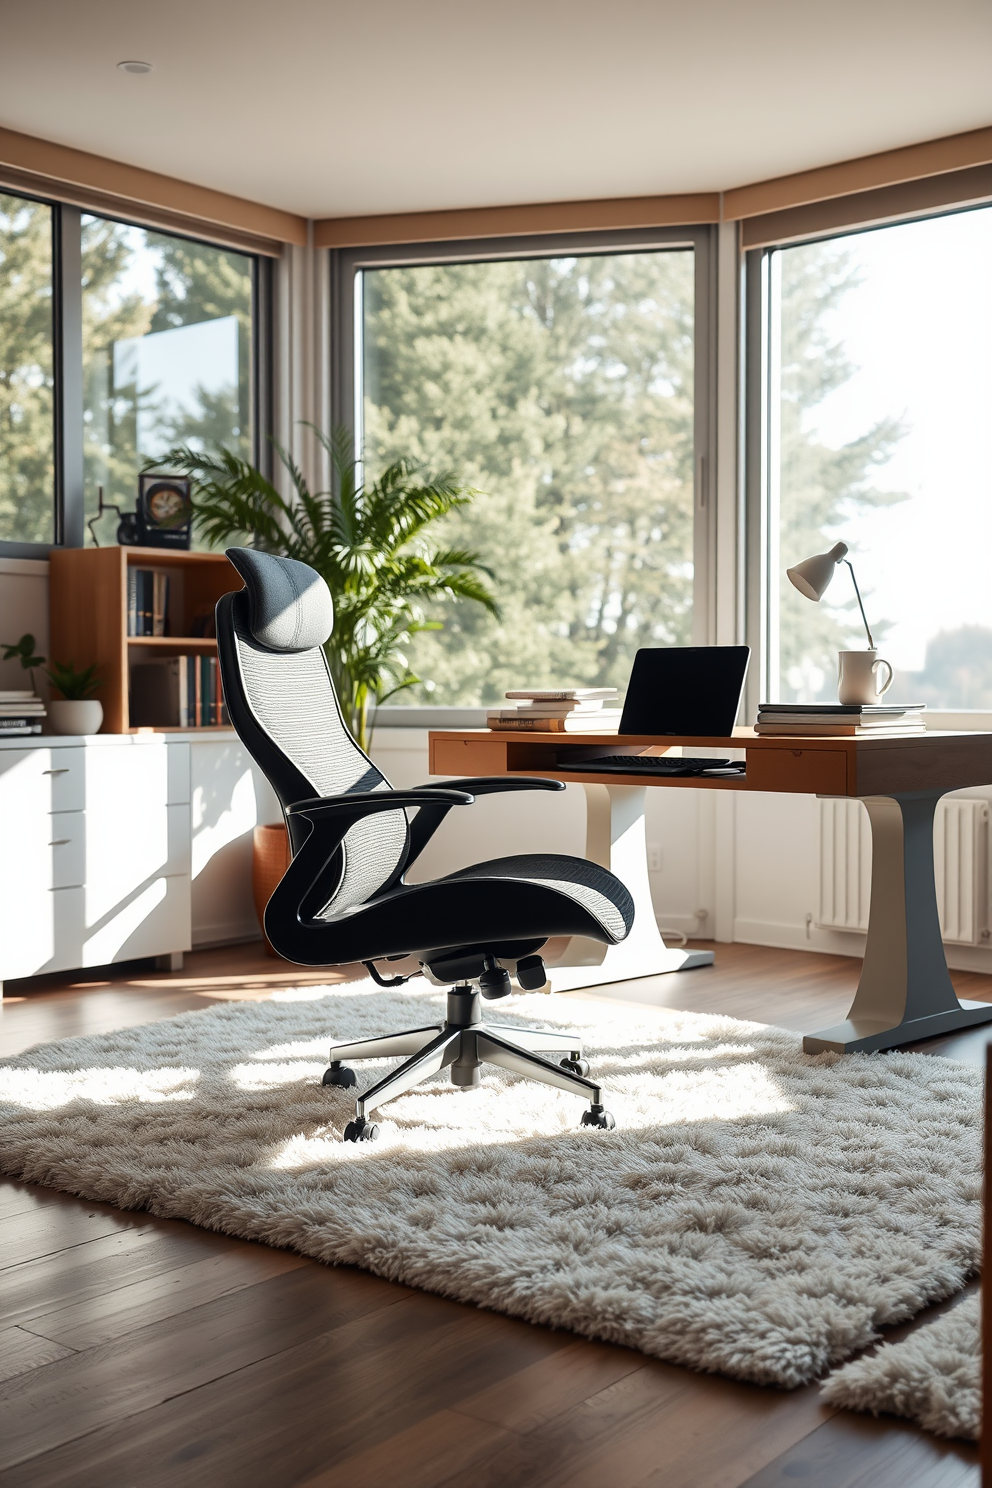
366	541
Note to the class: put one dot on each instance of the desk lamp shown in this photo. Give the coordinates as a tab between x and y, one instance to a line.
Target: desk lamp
812	576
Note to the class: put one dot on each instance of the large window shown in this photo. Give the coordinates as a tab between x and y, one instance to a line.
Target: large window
166	353
27	360
116	343
563	389
880	386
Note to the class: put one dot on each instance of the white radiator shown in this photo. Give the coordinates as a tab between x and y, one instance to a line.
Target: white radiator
960	852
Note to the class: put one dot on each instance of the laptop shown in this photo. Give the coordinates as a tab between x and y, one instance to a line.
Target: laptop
687	690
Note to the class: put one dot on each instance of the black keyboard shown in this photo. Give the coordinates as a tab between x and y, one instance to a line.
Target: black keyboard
650	764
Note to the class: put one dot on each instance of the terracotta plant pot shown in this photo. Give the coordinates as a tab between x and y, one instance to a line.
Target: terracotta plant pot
270	859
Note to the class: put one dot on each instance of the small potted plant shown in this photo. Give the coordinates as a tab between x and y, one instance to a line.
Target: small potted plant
77	711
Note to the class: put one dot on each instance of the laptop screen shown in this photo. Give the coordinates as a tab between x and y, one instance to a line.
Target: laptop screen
685	690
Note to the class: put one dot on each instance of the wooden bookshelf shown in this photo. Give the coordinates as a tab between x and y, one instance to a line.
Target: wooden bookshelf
88	614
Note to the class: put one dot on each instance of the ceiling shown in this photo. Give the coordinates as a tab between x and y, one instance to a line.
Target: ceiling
333	109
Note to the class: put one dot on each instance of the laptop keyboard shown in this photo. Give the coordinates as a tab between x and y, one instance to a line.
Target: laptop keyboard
648	764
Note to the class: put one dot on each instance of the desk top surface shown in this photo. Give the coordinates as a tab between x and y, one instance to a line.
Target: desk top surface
829	765
741	738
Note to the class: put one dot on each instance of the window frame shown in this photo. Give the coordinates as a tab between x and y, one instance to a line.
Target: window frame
760	536
67	336
348	264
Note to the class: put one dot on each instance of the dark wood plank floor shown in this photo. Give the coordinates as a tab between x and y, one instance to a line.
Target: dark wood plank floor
140	1352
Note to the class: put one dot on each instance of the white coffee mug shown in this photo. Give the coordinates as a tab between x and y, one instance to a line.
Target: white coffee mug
857	677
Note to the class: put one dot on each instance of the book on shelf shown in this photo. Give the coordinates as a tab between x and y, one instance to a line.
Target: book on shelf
177	692
21	712
604	721
147	602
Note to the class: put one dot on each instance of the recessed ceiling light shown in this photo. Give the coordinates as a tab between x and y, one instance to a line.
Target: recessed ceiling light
134	67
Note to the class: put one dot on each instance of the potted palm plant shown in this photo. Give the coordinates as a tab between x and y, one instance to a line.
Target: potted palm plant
368	541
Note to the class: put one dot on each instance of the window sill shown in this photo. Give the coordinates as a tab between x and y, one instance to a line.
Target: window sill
427	718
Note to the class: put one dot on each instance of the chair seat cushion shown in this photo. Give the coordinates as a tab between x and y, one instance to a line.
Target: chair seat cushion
488	905
596	889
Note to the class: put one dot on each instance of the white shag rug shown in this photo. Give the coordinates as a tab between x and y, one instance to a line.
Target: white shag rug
756	1212
933	1377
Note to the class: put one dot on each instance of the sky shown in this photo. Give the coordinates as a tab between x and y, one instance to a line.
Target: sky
919	329
172	366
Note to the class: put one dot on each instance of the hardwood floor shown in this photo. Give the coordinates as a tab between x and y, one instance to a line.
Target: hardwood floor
141	1352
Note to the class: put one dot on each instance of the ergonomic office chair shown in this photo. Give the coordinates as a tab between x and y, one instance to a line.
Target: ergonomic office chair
343	897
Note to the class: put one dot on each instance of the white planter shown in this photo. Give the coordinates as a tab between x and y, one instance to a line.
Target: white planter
79	717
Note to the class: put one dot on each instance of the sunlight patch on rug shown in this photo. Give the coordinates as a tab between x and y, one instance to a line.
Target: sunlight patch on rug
756	1211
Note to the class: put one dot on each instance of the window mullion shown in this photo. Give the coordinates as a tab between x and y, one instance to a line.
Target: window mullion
69	530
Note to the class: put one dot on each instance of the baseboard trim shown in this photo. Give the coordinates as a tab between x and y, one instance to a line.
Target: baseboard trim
215	936
791	937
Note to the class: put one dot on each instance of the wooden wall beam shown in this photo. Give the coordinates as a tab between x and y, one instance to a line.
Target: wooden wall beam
110	181
518	221
954	153
870	208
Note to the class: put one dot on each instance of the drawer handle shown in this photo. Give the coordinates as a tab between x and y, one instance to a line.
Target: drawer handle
60	842
64	771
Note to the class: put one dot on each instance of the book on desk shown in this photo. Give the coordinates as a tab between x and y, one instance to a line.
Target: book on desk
843	720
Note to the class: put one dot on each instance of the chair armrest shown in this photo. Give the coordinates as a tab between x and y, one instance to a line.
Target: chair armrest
426	822
364	803
488	785
309	880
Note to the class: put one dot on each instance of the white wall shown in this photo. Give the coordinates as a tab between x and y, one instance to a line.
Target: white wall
23	607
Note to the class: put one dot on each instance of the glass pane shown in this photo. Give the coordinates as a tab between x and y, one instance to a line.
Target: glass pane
27	442
166	355
562	389
885	346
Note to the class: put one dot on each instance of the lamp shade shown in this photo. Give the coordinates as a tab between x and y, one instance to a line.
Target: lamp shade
812	576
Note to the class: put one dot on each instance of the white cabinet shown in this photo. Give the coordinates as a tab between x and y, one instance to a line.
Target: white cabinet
95	866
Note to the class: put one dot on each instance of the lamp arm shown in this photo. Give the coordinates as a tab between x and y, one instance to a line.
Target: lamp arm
861	607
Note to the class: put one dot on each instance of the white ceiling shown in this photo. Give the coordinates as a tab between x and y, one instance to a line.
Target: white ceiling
329	108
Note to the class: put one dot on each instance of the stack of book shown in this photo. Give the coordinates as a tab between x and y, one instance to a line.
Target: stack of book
850	720
21	713
177	692
147	602
562	710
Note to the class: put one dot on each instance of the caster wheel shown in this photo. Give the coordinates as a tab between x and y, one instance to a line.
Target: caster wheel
598	1118
361	1131
339	1074
576	1066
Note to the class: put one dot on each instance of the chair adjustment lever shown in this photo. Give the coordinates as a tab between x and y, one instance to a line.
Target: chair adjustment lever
396	981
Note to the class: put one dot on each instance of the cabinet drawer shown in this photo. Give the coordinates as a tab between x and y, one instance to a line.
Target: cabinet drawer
66	768
42	780
817	772
67	841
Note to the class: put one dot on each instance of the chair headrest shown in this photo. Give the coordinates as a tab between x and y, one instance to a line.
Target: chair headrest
290	607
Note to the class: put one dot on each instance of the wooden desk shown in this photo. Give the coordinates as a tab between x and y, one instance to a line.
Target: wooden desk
905	992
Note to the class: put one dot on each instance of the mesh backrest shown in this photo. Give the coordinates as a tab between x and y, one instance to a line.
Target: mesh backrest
292	699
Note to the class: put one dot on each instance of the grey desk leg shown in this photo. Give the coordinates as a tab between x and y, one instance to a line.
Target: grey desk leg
615	840
905	992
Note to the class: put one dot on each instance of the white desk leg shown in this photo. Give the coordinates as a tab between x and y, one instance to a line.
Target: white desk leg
905	992
615	840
